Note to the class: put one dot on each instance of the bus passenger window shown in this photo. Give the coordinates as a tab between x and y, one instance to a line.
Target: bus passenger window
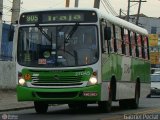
139	44
112	40
130	44
126	41
123	41
118	39
133	46
145	47
136	43
115	41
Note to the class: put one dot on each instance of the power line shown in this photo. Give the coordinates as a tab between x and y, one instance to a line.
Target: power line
104	6
110	8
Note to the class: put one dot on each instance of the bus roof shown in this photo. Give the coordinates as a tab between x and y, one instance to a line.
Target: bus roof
113	19
122	23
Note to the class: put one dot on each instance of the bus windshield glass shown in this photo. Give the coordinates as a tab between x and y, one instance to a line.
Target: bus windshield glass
57	46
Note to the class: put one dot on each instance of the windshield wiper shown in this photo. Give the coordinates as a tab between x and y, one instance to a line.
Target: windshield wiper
73	30
43	32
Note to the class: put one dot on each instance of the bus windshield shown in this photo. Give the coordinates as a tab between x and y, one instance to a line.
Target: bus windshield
57	46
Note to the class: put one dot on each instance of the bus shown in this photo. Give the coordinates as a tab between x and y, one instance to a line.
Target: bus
78	57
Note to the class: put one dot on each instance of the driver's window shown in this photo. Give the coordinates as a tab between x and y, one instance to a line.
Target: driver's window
109	44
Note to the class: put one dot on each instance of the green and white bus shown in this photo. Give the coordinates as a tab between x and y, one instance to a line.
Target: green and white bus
80	57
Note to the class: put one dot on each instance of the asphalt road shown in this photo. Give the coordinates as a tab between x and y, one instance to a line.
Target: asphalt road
149	109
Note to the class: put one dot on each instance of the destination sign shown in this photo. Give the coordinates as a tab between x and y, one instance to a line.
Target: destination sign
31	18
61	16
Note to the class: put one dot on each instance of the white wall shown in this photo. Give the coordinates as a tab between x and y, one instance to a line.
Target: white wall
7	75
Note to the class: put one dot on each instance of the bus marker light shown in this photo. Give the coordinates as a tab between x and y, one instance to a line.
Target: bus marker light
27	76
94	73
88	94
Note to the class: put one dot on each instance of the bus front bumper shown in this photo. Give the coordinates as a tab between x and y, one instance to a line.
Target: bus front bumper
60	95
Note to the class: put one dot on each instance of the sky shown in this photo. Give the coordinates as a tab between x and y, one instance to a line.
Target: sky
150	8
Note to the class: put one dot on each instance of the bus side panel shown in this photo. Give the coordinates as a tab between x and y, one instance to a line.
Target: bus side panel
109	68
125	88
141	70
118	66
126	71
106	72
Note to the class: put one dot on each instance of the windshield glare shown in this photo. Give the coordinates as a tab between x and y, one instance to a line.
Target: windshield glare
57	46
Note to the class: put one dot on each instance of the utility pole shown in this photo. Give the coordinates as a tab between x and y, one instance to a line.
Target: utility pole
1	9
67	3
139	7
138	12
96	3
128	11
140	1
120	13
1	22
15	11
14	18
76	3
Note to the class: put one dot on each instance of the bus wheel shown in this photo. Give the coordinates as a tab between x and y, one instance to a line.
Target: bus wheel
123	104
41	107
131	103
105	106
134	103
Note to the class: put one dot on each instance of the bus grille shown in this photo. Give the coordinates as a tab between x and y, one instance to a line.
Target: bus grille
56	80
56	94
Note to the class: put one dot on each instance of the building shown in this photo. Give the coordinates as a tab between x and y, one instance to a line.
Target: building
152	24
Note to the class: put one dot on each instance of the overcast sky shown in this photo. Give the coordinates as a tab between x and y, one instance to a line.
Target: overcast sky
150	8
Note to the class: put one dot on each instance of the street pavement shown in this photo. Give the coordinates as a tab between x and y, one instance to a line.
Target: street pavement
8	101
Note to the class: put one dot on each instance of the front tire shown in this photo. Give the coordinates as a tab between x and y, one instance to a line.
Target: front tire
40	107
105	106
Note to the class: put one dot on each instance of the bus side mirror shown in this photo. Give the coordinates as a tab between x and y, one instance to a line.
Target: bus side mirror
107	33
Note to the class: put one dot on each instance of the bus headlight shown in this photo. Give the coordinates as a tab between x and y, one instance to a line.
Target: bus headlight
93	80
22	81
